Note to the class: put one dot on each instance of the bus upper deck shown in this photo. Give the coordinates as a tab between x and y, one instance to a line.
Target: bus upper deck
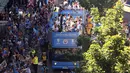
67	21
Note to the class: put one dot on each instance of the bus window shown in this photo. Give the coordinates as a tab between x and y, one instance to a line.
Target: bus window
66	55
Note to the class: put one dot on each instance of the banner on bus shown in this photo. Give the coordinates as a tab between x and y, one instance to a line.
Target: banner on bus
64	40
73	12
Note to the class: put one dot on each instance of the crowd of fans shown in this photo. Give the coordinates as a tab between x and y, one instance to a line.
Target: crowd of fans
68	23
71	4
27	29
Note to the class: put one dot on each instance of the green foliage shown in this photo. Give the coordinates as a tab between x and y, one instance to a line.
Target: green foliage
112	57
110	21
101	4
84	41
95	13
109	52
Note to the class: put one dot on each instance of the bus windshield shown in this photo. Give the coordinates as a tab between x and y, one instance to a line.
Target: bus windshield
66	55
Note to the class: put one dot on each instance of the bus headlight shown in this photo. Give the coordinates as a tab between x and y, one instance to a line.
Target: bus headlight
75	64
55	63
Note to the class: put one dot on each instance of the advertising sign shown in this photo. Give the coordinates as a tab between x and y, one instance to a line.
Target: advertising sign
64	39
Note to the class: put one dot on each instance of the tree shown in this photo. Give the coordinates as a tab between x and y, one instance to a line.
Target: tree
101	4
111	57
108	53
84	41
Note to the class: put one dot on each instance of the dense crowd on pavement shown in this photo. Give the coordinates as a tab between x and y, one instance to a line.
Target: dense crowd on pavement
27	29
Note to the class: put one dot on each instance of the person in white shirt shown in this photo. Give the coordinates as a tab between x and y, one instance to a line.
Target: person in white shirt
71	23
57	22
69	7
55	28
65	2
74	7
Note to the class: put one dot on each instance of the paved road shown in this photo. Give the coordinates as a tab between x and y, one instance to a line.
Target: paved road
127	16
127	12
